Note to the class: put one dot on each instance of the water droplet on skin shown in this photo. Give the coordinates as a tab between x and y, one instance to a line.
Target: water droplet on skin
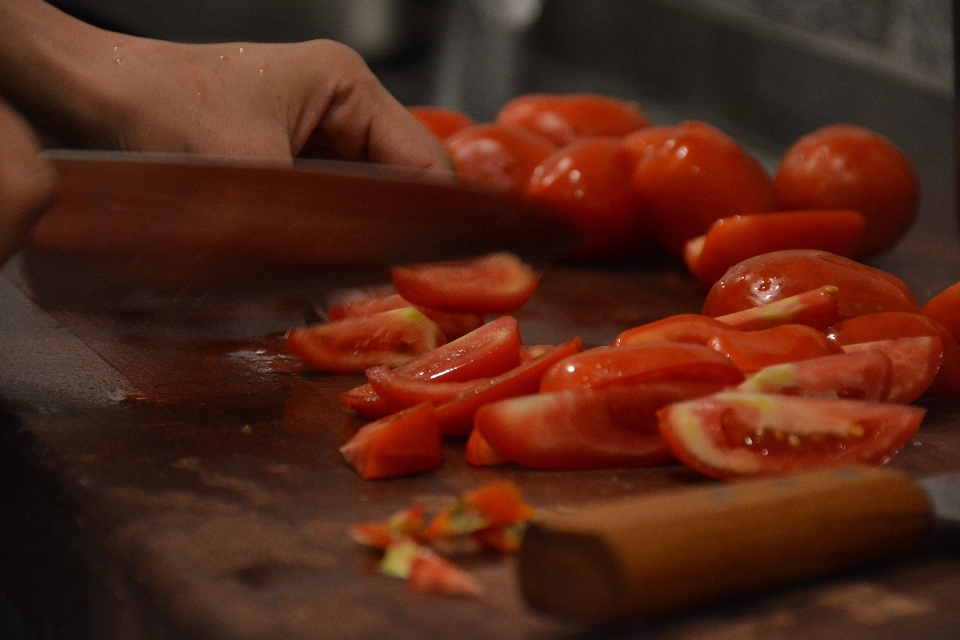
241	49
224	58
117	60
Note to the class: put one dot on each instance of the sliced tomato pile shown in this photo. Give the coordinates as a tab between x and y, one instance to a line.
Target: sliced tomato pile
492	517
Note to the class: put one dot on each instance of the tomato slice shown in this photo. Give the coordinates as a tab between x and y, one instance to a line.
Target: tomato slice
605	427
863	375
659	361
732	240
731	435
456	415
366	402
915	364
754	350
479	453
945	309
400	391
495	283
352	345
401	444
453	325
818	308
684	327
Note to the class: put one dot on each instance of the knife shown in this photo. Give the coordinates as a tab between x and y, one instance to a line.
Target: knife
685	548
178	221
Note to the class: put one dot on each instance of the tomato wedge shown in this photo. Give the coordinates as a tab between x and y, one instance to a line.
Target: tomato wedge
751	351
863	375
915	364
479	453
401	444
366	402
605	427
453	325
818	308
731	435
352	345
945	309
495	283
400	391
732	240
684	327
658	361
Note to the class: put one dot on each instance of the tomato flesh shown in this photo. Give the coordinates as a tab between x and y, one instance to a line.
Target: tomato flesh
731	435
751	351
684	327
818	308
453	325
915	364
863	375
401	444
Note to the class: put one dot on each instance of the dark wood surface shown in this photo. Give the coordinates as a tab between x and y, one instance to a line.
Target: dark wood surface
166	473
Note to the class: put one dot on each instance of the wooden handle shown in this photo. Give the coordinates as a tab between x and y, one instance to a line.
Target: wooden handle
680	549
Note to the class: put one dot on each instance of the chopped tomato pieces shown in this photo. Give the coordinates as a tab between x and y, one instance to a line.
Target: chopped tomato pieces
400	444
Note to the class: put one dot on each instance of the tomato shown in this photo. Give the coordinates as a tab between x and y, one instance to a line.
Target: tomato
401	444
863	375
818	308
731	435
587	183
453	325
479	453
352	345
780	274
495	283
400	391
664	361
565	118
432	573
497	157
684	327
456	415
441	122
751	351
366	402
399	526
694	177
601	427
732	240
494	504
915	364
945	309
848	167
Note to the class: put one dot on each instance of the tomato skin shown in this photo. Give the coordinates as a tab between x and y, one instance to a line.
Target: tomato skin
491	284
733	435
818	308
850	167
773	276
441	122
595	428
479	453
731	240
453	325
497	157
694	177
352	345
751	351
665	361
565	118
366	402
916	361
684	327
863	375
401	444
587	183
945	309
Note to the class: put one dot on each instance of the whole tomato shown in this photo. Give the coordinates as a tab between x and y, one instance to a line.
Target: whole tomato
588	184
692	175
774	276
496	156
848	167
441	122
567	117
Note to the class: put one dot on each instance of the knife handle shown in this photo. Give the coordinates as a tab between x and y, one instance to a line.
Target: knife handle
679	549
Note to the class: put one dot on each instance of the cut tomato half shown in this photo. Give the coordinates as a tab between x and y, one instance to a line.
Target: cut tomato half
731	435
495	283
401	444
352	345
818	308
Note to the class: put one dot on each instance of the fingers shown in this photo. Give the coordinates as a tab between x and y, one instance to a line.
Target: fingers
28	182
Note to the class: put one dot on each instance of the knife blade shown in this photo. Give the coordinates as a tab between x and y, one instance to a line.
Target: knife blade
685	548
178	221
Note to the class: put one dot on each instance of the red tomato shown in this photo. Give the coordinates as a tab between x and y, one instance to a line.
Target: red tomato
863	375
495	283
847	167
456	415
664	361
781	274
352	345
494	504
684	327
366	402
566	118
587	183
915	364
733	240
694	177
453	325
432	573
479	453
945	309
399	391
400	444
818	308
603	427
731	435
441	122
497	157
754	350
